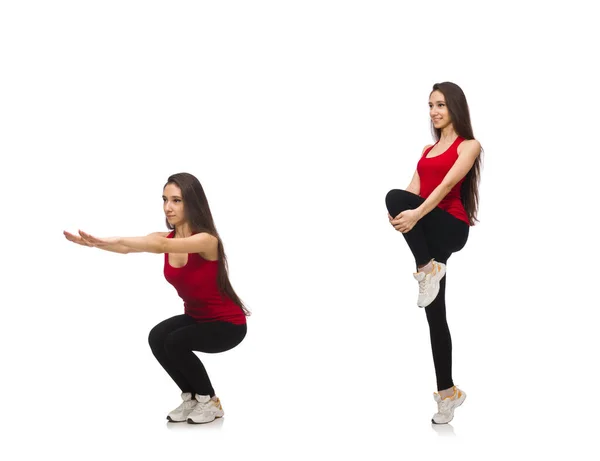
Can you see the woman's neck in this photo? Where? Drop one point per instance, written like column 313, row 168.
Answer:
column 448, row 135
column 183, row 231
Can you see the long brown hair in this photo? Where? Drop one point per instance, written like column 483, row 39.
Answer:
column 198, row 215
column 456, row 102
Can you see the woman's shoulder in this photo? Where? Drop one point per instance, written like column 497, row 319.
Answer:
column 210, row 244
column 468, row 145
column 206, row 236
column 426, row 148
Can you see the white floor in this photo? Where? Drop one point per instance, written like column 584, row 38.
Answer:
column 304, row 393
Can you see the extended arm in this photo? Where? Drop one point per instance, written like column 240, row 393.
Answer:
column 115, row 247
column 158, row 243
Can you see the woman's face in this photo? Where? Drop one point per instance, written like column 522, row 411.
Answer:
column 438, row 111
column 173, row 205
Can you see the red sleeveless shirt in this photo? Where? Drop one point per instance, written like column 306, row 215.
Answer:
column 196, row 284
column 431, row 174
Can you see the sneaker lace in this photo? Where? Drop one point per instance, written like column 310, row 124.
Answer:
column 201, row 406
column 422, row 285
column 443, row 406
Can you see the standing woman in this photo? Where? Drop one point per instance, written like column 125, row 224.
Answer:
column 214, row 318
column 434, row 214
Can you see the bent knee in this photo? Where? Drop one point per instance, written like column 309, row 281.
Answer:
column 156, row 337
column 398, row 200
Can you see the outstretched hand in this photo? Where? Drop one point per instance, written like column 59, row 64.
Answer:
column 76, row 239
column 405, row 220
column 89, row 240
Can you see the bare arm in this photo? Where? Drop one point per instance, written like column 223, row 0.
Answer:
column 157, row 242
column 147, row 244
column 415, row 184
column 469, row 150
column 115, row 248
column 85, row 240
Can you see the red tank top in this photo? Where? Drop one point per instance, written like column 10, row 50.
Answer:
column 196, row 284
column 432, row 172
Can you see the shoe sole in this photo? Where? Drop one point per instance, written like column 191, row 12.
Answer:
column 458, row 404
column 436, row 286
column 171, row 420
column 190, row 421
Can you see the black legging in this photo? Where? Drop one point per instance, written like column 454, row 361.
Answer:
column 173, row 340
column 436, row 236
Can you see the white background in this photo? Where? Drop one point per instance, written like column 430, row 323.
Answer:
column 297, row 117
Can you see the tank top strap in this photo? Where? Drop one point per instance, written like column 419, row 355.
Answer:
column 457, row 142
column 429, row 149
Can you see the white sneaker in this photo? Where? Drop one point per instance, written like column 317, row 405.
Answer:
column 429, row 283
column 180, row 414
column 446, row 406
column 206, row 410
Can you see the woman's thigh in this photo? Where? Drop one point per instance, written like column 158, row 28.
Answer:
column 444, row 231
column 445, row 234
column 210, row 337
column 159, row 333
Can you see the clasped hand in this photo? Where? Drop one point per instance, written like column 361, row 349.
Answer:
column 405, row 220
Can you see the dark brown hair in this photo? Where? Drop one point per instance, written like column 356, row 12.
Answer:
column 456, row 102
column 199, row 218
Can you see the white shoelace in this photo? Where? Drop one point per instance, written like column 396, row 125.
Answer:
column 201, row 406
column 444, row 405
column 422, row 285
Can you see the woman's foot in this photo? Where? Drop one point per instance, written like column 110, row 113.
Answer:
column 446, row 406
column 206, row 410
column 180, row 414
column 429, row 282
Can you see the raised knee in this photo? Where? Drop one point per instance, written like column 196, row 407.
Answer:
column 398, row 200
